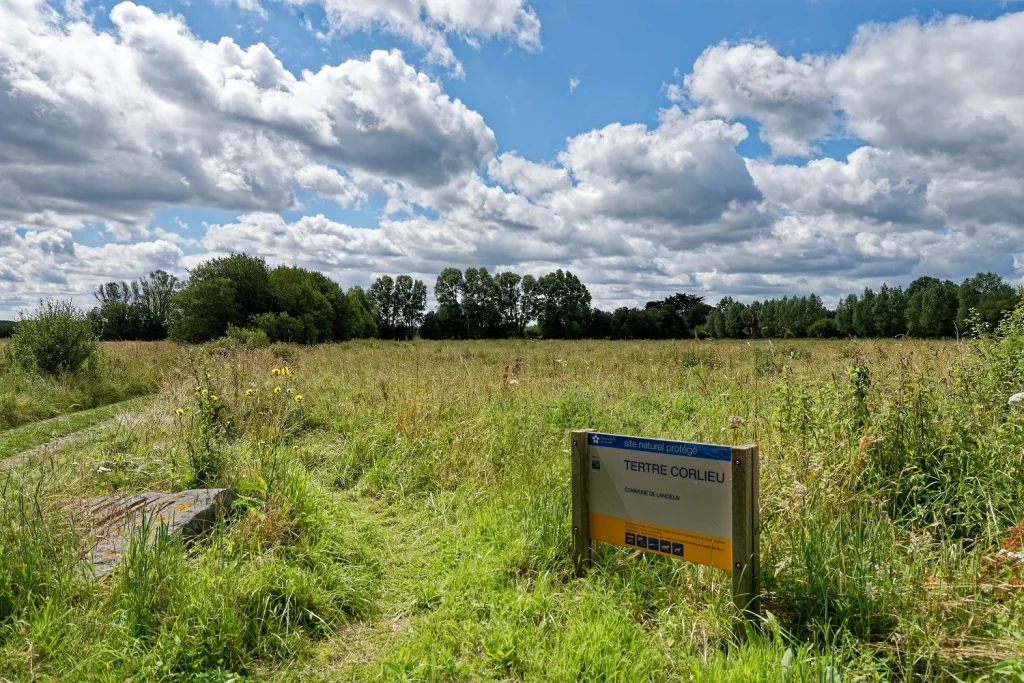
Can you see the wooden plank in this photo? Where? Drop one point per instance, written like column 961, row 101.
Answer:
column 743, row 462
column 580, row 501
column 755, row 514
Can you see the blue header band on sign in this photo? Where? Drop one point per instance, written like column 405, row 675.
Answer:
column 681, row 448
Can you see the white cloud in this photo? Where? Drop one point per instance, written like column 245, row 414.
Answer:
column 948, row 87
column 428, row 23
column 788, row 97
column 48, row 263
column 573, row 84
column 106, row 127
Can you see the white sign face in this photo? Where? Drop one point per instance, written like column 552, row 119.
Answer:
column 668, row 497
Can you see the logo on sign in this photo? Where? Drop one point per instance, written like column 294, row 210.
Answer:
column 595, row 463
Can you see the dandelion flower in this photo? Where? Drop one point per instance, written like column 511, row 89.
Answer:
column 297, row 398
column 204, row 391
column 1017, row 399
column 275, row 371
column 250, row 392
column 213, row 397
column 179, row 411
column 277, row 390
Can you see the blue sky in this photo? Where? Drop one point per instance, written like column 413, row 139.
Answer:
column 766, row 162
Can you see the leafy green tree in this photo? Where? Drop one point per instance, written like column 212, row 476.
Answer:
column 736, row 319
column 203, row 310
column 864, row 315
column 715, row 325
column 564, row 305
column 480, row 296
column 844, row 316
column 450, row 321
column 932, row 307
column 400, row 304
column 246, row 279
column 601, row 325
column 251, row 277
column 889, row 312
column 386, row 306
column 411, row 296
column 302, row 310
column 988, row 296
column 140, row 309
column 364, row 324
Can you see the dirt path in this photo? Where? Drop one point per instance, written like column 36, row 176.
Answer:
column 90, row 423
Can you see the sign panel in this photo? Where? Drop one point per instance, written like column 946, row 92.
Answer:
column 668, row 497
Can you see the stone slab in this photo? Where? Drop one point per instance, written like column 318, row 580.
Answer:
column 108, row 521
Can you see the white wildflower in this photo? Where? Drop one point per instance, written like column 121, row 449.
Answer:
column 102, row 470
column 513, row 381
column 1017, row 556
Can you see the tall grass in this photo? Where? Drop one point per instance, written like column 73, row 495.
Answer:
column 121, row 370
column 408, row 518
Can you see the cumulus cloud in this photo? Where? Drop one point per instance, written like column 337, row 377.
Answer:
column 789, row 97
column 102, row 127
column 428, row 23
column 106, row 127
column 48, row 263
column 950, row 87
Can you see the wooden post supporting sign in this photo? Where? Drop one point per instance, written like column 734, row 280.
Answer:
column 580, row 501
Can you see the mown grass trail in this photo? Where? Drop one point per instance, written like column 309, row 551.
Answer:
column 63, row 430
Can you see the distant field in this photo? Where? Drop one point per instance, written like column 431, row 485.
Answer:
column 402, row 513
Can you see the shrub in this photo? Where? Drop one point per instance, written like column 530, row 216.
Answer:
column 57, row 339
column 824, row 328
column 250, row 338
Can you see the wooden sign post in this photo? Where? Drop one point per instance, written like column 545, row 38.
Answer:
column 690, row 501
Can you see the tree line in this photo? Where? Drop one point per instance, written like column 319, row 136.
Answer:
column 292, row 304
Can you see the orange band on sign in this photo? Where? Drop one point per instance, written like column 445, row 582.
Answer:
column 683, row 545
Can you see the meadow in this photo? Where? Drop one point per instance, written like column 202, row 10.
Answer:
column 401, row 513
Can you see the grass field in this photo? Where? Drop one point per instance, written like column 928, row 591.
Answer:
column 402, row 513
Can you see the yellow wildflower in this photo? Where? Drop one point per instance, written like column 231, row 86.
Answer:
column 277, row 390
column 203, row 391
column 213, row 397
column 179, row 411
column 275, row 371
column 286, row 371
column 297, row 398
column 250, row 392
